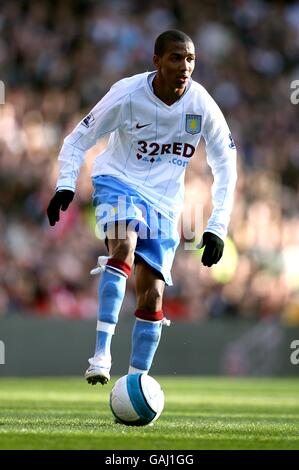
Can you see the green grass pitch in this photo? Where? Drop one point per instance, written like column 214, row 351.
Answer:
column 199, row 413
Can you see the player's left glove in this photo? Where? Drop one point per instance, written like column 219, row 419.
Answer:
column 213, row 249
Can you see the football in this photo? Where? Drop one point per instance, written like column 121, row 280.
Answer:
column 136, row 400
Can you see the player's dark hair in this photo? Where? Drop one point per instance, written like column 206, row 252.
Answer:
column 172, row 35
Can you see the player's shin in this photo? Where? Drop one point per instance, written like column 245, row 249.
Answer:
column 111, row 294
column 112, row 288
column 145, row 339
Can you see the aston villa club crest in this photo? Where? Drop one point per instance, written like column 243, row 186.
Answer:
column 193, row 123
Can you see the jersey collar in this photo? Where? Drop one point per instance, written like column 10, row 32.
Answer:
column 149, row 89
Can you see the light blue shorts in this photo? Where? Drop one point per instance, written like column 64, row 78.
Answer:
column 158, row 237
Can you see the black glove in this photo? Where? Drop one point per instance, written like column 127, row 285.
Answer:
column 213, row 249
column 61, row 200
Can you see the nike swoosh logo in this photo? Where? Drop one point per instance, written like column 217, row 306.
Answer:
column 138, row 126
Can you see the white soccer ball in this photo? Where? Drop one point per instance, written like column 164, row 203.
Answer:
column 136, row 400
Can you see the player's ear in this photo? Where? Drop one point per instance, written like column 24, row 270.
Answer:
column 156, row 61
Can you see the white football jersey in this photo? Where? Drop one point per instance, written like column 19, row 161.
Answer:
column 151, row 144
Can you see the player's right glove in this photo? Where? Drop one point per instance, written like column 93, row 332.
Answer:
column 61, row 200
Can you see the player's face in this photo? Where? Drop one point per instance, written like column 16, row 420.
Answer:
column 176, row 65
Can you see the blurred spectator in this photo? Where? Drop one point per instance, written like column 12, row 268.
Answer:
column 57, row 59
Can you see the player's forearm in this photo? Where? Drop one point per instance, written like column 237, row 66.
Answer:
column 70, row 161
column 225, row 177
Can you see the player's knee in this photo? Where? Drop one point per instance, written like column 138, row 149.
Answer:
column 151, row 299
column 124, row 251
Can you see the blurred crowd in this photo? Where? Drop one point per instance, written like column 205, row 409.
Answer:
column 57, row 59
